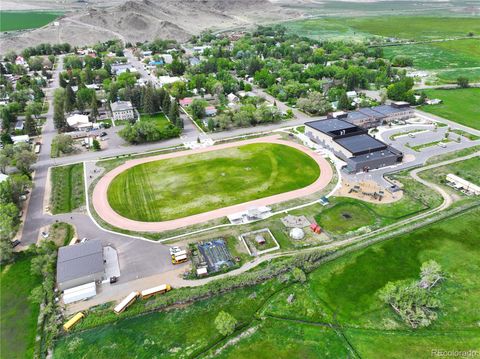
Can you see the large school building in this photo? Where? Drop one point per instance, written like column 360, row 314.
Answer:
column 352, row 144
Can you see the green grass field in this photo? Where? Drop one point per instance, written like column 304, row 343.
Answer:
column 346, row 216
column 468, row 169
column 23, row 20
column 68, row 192
column 403, row 27
column 440, row 55
column 334, row 314
column 459, row 105
column 159, row 119
column 18, row 320
column 183, row 186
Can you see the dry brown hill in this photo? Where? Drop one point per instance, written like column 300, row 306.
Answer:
column 140, row 20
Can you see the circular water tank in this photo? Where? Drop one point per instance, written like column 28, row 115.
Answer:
column 297, row 233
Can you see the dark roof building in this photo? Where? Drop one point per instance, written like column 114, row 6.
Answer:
column 361, row 144
column 79, row 264
column 352, row 144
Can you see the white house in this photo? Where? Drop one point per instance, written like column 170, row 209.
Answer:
column 79, row 121
column 165, row 80
column 122, row 110
column 232, row 98
column 20, row 139
column 167, row 58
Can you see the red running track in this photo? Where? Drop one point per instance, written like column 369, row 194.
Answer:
column 103, row 209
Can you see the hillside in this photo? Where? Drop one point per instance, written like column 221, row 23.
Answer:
column 139, row 20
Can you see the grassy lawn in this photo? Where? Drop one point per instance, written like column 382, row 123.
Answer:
column 68, row 192
column 346, row 216
column 159, row 119
column 19, row 316
column 460, row 105
column 61, row 233
column 336, row 312
column 22, row 20
column 451, row 76
column 439, row 55
column 183, row 186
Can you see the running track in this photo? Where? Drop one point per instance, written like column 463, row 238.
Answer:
column 103, row 209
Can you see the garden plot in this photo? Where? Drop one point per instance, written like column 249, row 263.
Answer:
column 259, row 242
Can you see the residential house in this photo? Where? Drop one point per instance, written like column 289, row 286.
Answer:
column 122, row 110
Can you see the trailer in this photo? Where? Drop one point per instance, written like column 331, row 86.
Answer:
column 81, row 292
column 161, row 289
column 37, row 148
column 74, row 320
column 126, row 302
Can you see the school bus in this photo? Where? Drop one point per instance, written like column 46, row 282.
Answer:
column 74, row 320
column 179, row 259
column 126, row 302
column 147, row 293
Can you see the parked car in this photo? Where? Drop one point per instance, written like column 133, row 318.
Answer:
column 15, row 243
column 113, row 279
column 174, row 250
column 45, row 234
column 103, row 134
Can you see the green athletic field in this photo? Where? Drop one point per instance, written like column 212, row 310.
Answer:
column 23, row 20
column 460, row 105
column 184, row 186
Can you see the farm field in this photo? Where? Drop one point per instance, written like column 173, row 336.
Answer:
column 440, row 55
column 19, row 315
column 183, row 186
column 402, row 27
column 23, row 20
column 460, row 105
column 334, row 313
column 68, row 192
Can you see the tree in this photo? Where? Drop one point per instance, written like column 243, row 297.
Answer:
column 34, row 108
column 225, row 323
column 299, row 275
column 430, row 274
column 315, row 104
column 63, row 143
column 94, row 107
column 96, row 145
column 6, row 252
column 149, row 100
column 197, row 108
column 69, row 99
column 4, row 162
column 30, row 125
column 174, row 114
column 344, row 102
column 211, row 124
column 463, row 82
column 24, row 160
column 59, row 109
column 166, row 103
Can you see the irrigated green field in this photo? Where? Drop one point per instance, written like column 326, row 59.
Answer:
column 18, row 321
column 440, row 55
column 335, row 314
column 22, row 20
column 460, row 105
column 402, row 27
column 183, row 186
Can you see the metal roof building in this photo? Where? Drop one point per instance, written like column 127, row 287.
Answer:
column 80, row 264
